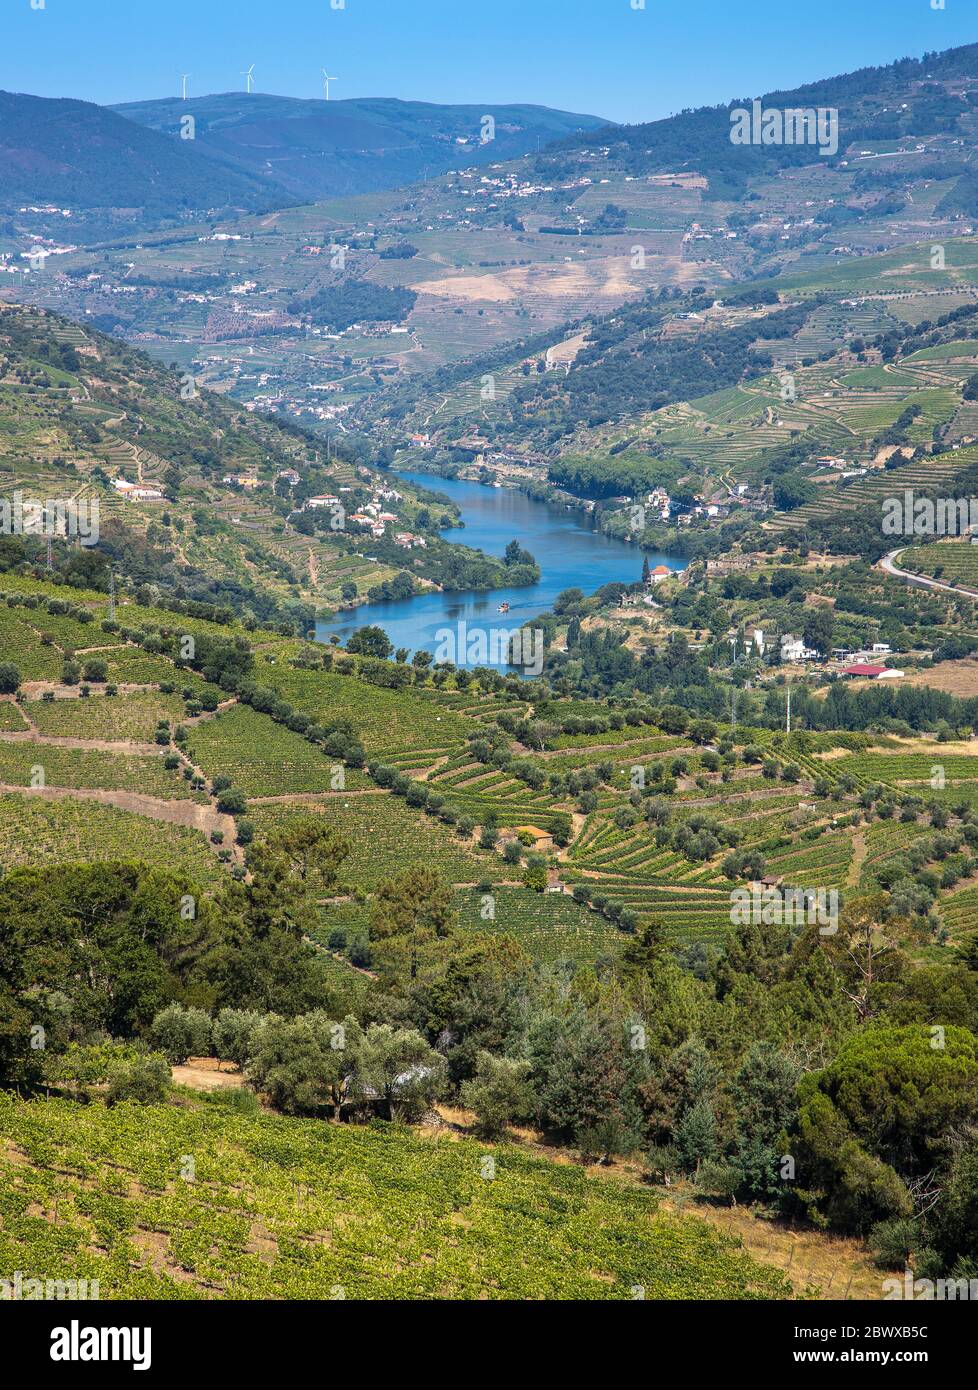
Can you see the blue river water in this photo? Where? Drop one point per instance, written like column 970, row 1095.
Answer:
column 569, row 549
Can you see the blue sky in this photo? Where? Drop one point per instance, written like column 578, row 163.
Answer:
column 596, row 56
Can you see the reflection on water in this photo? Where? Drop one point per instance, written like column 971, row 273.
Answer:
column 566, row 546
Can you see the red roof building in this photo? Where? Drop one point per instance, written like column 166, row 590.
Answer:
column 864, row 670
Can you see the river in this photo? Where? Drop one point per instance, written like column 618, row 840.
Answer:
column 566, row 544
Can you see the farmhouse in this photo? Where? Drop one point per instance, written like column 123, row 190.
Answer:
column 136, row 492
column 865, row 670
column 793, row 649
column 541, row 840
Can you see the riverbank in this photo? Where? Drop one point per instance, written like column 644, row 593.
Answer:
column 568, row 547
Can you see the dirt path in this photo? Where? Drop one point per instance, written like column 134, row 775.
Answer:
column 206, row 1074
column 192, row 814
column 622, row 748
column 858, row 859
column 310, row 798
column 93, row 745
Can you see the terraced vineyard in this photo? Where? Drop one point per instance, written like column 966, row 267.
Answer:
column 385, row 836
column 952, row 561
column 867, row 494
column 549, row 926
column 49, row 765
column 263, row 758
column 131, row 718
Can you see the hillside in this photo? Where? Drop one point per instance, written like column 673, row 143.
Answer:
column 318, row 149
column 381, row 1215
column 344, row 829
column 355, row 305
column 86, row 157
column 223, row 518
column 934, row 98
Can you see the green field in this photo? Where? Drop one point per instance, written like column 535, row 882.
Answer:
column 296, row 1209
column 386, row 836
column 35, row 831
column 263, row 758
column 122, row 718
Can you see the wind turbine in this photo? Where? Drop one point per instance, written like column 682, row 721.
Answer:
column 184, row 81
column 326, row 81
column 249, row 78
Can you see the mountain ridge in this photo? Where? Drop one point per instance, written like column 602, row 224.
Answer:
column 313, row 149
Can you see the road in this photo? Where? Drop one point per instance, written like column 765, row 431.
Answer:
column 888, row 563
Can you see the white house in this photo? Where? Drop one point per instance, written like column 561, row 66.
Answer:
column 136, row 492
column 793, row 649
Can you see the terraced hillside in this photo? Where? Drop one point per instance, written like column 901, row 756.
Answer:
column 569, row 848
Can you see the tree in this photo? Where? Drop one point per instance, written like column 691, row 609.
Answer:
column 880, row 1116
column 145, row 1080
column 583, row 1073
column 370, row 641
column 498, row 1093
column 953, row 1229
column 765, row 1102
column 514, row 554
column 396, row 1067
column 9, row 678
column 234, row 1032
column 232, row 802
column 181, row 1033
column 865, row 955
column 408, row 913
column 819, row 628
column 305, row 1065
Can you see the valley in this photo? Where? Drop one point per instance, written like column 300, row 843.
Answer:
column 489, row 696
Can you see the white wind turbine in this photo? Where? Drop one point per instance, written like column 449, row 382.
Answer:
column 183, row 79
column 249, row 78
column 326, row 81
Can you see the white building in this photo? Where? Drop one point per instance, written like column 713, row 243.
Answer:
column 136, row 492
column 793, row 649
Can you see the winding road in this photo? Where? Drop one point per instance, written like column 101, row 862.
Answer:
column 888, row 563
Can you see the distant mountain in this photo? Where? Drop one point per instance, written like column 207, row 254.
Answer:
column 77, row 154
column 933, row 99
column 319, row 149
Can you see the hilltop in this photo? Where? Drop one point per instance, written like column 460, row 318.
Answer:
column 319, row 149
column 85, row 157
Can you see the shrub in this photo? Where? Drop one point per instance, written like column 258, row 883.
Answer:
column 234, row 1034
column 145, row 1080
column 499, row 1093
column 9, row 678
